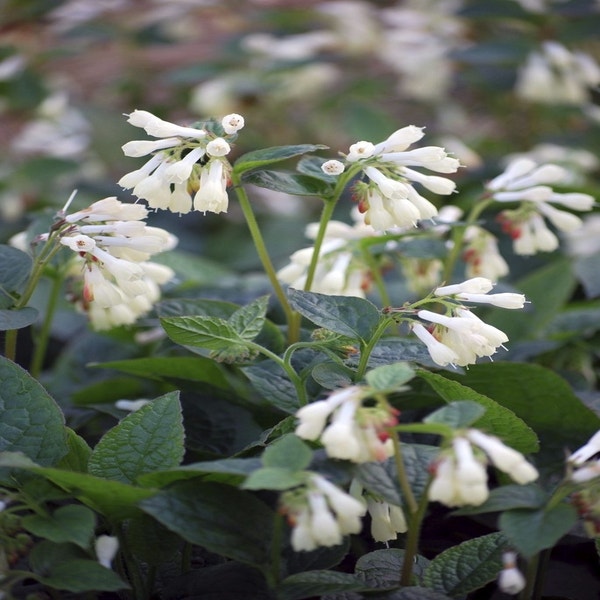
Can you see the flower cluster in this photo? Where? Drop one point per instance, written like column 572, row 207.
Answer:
column 460, row 337
column 387, row 520
column 389, row 199
column 460, row 474
column 321, row 514
column 527, row 182
column 188, row 168
column 355, row 432
column 555, row 75
column 340, row 271
column 113, row 246
column 481, row 255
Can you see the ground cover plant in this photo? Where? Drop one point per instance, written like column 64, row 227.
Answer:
column 316, row 317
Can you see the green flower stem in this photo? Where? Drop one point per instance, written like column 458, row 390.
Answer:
column 41, row 342
column 411, row 546
column 49, row 250
column 530, row 577
column 261, row 249
column 287, row 367
column 367, row 348
column 409, row 497
column 458, row 236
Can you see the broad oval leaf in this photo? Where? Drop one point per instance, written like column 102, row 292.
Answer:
column 72, row 523
column 146, row 440
column 295, row 184
column 389, row 378
column 353, row 317
column 30, row 420
column 17, row 319
column 15, row 266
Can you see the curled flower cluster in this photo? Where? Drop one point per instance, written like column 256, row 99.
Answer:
column 113, row 246
column 527, row 182
column 188, row 168
column 340, row 271
column 321, row 514
column 460, row 474
column 355, row 432
column 460, row 337
column 389, row 199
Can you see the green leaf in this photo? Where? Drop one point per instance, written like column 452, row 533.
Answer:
column 113, row 499
column 267, row 156
column 331, row 375
column 390, row 378
column 587, row 269
column 273, row 385
column 382, row 568
column 497, row 418
column 82, row 575
column 221, row 518
column 311, row 165
column 274, row 478
column 353, row 317
column 144, row 441
column 17, row 319
column 188, row 368
column 296, row 184
column 312, row 584
column 30, row 420
column 71, row 523
column 532, row 531
column 462, row 413
column 79, row 453
column 15, row 267
column 467, row 566
column 508, row 497
column 541, row 399
column 289, row 452
column 317, row 559
column 249, row 320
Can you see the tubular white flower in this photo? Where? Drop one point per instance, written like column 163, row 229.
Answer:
column 471, row 476
column 476, row 285
column 589, row 449
column 106, row 547
column 302, row 538
column 440, row 353
column 109, row 209
column 538, row 193
column 544, row 239
column 332, row 167
column 180, row 171
column 313, row 418
column 434, row 183
column 137, row 148
column 181, row 201
column 515, row 169
column 232, row 123
column 505, row 300
column 156, row 127
column 79, row 243
column 218, row 147
column 349, row 510
column 120, row 269
column 586, row 473
column 323, row 525
column 502, row 456
column 98, row 289
column 443, row 487
column 400, row 140
column 131, row 405
column 360, row 150
column 427, row 210
column 340, row 437
column 460, row 324
column 510, row 579
column 212, row 194
column 563, row 220
column 130, row 180
column 574, row 200
column 390, row 188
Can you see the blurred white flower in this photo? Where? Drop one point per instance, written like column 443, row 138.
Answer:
column 106, row 547
column 481, row 255
column 510, row 579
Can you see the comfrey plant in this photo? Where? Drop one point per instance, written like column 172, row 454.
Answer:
column 265, row 436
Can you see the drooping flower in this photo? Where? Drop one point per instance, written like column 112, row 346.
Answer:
column 321, row 514
column 348, row 429
column 528, row 183
column 106, row 547
column 389, row 199
column 460, row 474
column 481, row 255
column 188, row 168
column 114, row 281
column 510, row 579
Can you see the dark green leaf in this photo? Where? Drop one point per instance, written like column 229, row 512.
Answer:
column 221, row 518
column 462, row 413
column 273, row 385
column 532, row 531
column 267, row 156
column 497, row 418
column 79, row 453
column 587, row 269
column 213, row 333
column 296, row 184
column 17, row 319
column 508, row 497
column 81, row 575
column 30, row 420
column 332, row 376
column 347, row 315
column 249, row 320
column 382, row 568
column 71, row 523
column 146, row 440
column 15, row 267
column 188, row 368
column 316, row 583
column 317, row 559
column 467, row 566
column 311, row 165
